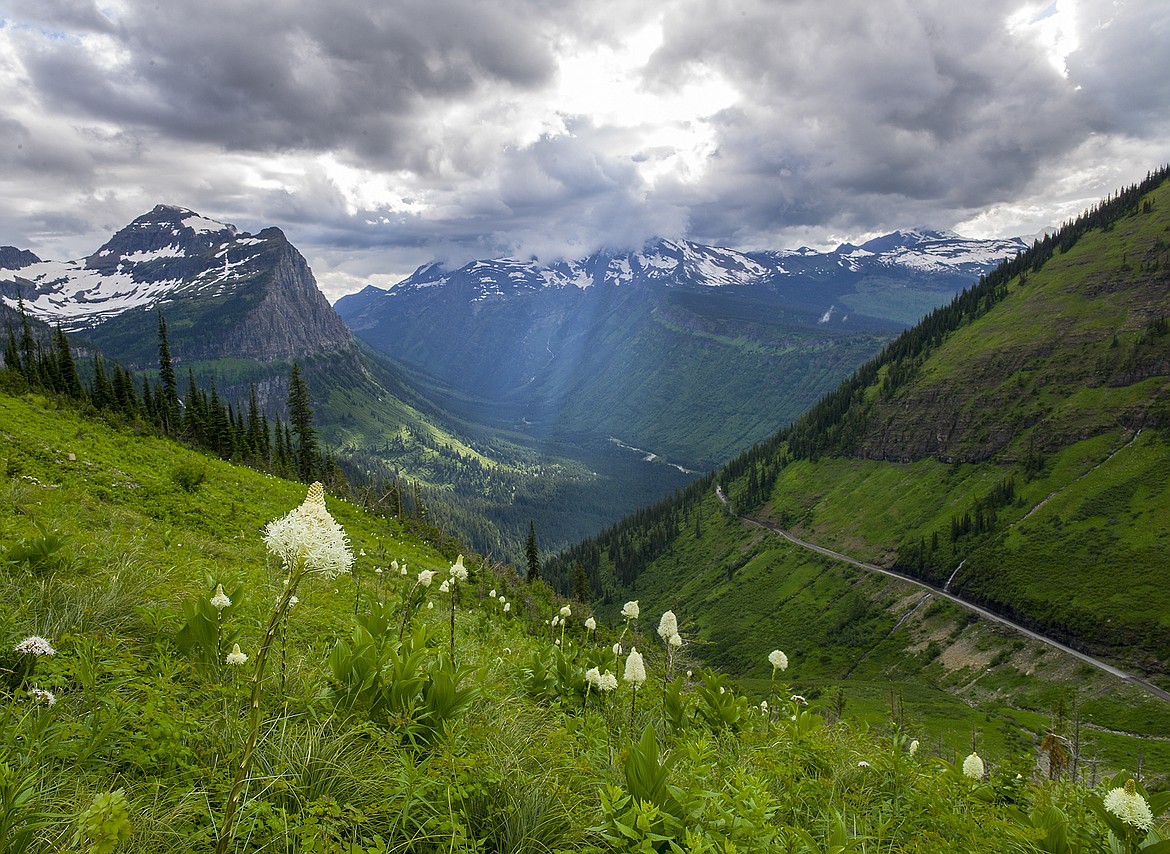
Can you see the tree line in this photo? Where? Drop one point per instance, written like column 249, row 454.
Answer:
column 200, row 417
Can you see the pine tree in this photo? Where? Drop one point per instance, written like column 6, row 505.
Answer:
column 300, row 417
column 532, row 553
column 125, row 395
column 66, row 367
column 168, row 406
column 11, row 351
column 102, row 395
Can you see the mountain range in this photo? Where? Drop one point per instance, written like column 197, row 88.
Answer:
column 616, row 376
column 693, row 352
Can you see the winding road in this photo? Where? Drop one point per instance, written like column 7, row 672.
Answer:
column 937, row 591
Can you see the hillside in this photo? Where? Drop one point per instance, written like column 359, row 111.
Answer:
column 1012, row 446
column 392, row 716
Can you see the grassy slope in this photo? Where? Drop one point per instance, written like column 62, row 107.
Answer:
column 1089, row 562
column 133, row 714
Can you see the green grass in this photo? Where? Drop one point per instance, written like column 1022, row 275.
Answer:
column 115, row 549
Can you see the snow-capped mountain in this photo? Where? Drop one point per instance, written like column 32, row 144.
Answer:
column 224, row 293
column 634, row 344
column 687, row 264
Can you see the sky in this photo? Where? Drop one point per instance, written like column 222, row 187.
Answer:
column 385, row 134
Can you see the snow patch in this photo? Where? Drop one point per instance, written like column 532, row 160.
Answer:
column 203, row 225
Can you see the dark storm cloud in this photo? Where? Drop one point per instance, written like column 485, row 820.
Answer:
column 394, row 133
column 307, row 76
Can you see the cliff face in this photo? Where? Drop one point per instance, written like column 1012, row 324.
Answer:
column 289, row 318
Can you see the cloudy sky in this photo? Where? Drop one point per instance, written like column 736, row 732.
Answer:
column 383, row 134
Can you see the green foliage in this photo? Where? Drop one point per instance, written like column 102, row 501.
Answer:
column 41, row 555
column 21, row 818
column 189, row 476
column 105, row 822
column 207, row 632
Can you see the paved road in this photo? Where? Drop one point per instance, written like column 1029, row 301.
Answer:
column 937, row 591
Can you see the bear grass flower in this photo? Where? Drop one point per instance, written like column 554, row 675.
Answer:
column 778, row 660
column 973, row 767
column 34, row 645
column 236, row 658
column 608, row 682
column 445, row 587
column 566, row 612
column 507, row 607
column 635, row 668
column 220, row 600
column 458, row 570
column 591, row 624
column 309, row 535
column 667, row 626
column 913, row 747
column 1129, row 806
column 593, row 677
column 676, row 640
column 630, row 610
column 425, row 577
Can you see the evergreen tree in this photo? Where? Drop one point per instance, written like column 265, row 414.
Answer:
column 581, row 584
column 300, row 418
column 11, row 351
column 168, row 406
column 102, row 395
column 125, row 395
column 532, row 553
column 66, row 367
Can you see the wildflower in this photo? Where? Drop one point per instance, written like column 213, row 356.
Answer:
column 913, row 747
column 502, row 599
column 445, row 587
column 566, row 612
column 425, row 577
column 689, row 674
column 402, row 569
column 591, row 624
column 309, row 534
column 667, row 626
column 862, row 764
column 34, row 645
column 430, row 606
column 220, row 600
column 1129, row 806
column 722, row 690
column 763, row 705
column 675, row 640
column 973, row 767
column 236, row 657
column 507, row 607
column 799, row 700
column 608, row 682
column 41, row 697
column 630, row 610
column 556, row 621
column 593, row 677
column 292, row 600
column 492, row 593
column 635, row 668
column 458, row 570
column 617, row 648
column 778, row 660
